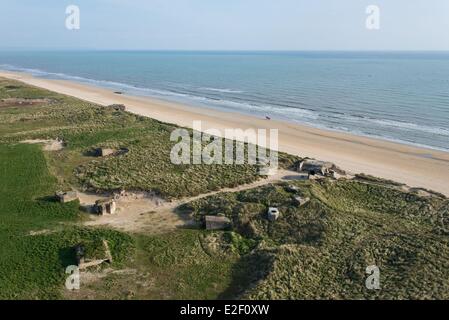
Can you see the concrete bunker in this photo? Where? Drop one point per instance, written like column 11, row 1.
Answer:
column 65, row 197
column 300, row 201
column 273, row 214
column 319, row 168
column 104, row 152
column 118, row 107
column 105, row 206
column 217, row 222
column 83, row 260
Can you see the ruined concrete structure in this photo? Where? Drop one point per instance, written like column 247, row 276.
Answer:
column 107, row 206
column 104, row 152
column 118, row 107
column 84, row 262
column 273, row 214
column 300, row 201
column 217, row 222
column 315, row 167
column 65, row 197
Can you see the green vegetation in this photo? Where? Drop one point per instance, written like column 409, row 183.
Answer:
column 186, row 264
column 321, row 250
column 84, row 127
column 169, row 266
column 36, row 233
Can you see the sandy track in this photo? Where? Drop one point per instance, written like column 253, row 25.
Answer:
column 49, row 145
column 142, row 212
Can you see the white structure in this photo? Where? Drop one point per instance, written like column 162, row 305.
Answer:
column 273, row 214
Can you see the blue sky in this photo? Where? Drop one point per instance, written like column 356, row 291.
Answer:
column 226, row 25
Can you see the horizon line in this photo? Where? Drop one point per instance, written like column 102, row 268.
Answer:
column 230, row 50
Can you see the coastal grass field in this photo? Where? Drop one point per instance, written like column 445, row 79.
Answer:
column 321, row 250
column 316, row 251
column 84, row 127
column 38, row 234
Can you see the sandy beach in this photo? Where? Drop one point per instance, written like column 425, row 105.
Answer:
column 417, row 167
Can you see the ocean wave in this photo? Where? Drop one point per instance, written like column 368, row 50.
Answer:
column 41, row 73
column 222, row 90
column 261, row 109
column 402, row 125
column 103, row 83
column 334, row 120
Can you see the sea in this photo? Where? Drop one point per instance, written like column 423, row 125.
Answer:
column 395, row 96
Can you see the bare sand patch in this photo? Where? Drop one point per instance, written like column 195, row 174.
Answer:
column 136, row 211
column 40, row 232
column 128, row 283
column 146, row 212
column 20, row 102
column 49, row 145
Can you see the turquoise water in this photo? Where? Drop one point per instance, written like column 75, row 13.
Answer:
column 395, row 96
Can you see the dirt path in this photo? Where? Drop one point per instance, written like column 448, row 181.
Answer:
column 49, row 145
column 144, row 212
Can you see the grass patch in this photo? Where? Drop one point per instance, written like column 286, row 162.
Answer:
column 84, row 126
column 168, row 266
column 32, row 266
column 321, row 250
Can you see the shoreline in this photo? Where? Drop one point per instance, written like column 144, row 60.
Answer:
column 412, row 165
